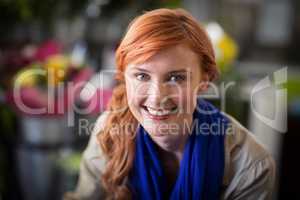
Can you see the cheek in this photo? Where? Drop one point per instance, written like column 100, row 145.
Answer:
column 129, row 92
column 187, row 99
column 135, row 93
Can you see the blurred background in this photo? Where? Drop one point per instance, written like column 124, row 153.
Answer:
column 60, row 54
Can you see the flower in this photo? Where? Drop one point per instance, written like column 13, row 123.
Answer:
column 226, row 49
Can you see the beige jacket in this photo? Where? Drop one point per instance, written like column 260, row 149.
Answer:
column 249, row 168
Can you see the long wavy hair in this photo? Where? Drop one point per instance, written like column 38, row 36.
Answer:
column 146, row 35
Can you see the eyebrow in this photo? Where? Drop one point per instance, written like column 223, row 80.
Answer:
column 170, row 72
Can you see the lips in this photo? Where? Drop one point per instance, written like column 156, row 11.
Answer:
column 159, row 114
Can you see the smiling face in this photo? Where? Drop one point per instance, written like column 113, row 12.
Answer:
column 162, row 92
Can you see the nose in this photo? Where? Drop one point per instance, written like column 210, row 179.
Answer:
column 157, row 94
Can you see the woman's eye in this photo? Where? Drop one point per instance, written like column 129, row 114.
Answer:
column 177, row 78
column 142, row 76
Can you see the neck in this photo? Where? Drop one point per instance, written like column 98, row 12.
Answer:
column 173, row 143
column 173, row 149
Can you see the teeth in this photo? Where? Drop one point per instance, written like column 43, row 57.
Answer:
column 159, row 112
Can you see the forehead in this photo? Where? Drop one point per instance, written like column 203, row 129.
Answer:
column 171, row 59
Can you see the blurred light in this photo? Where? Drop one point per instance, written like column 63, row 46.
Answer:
column 78, row 55
column 93, row 11
column 215, row 32
column 94, row 8
column 225, row 47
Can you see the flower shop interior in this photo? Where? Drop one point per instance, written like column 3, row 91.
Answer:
column 57, row 61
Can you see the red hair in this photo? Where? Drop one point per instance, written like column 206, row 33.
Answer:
column 146, row 35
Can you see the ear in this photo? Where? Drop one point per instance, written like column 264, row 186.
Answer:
column 204, row 84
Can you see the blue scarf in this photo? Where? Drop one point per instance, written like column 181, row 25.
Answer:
column 202, row 166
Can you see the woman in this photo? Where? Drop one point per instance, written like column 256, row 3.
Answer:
column 158, row 139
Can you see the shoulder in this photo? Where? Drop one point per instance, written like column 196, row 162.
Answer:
column 249, row 167
column 93, row 153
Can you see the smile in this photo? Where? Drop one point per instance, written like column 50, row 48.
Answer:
column 159, row 114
